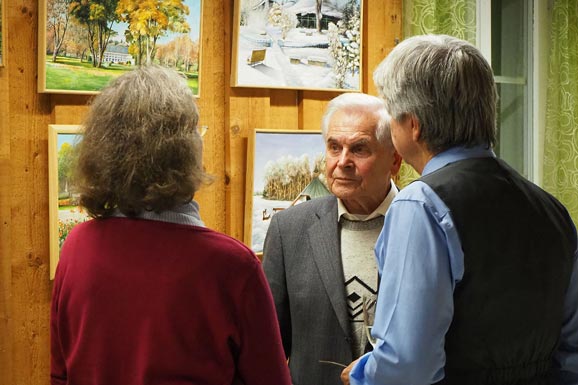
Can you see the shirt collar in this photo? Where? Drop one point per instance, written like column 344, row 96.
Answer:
column 187, row 214
column 454, row 154
column 380, row 210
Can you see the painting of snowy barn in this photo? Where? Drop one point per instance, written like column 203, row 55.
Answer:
column 285, row 169
column 298, row 44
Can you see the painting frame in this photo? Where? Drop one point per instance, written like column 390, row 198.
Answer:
column 299, row 57
column 69, row 75
column 2, row 33
column 55, row 132
column 270, row 148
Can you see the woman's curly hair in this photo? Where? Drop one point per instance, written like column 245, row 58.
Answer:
column 140, row 148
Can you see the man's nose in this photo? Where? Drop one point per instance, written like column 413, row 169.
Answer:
column 344, row 158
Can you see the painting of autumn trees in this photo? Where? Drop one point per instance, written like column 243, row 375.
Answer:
column 90, row 42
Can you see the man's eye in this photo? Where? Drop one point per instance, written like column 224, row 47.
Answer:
column 360, row 150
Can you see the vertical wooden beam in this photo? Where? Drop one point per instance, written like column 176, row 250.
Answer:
column 382, row 30
column 5, row 231
column 29, row 114
column 211, row 103
column 248, row 109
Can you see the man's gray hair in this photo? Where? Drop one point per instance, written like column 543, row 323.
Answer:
column 446, row 84
column 357, row 102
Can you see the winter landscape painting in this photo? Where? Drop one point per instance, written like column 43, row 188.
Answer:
column 64, row 211
column 85, row 44
column 285, row 168
column 298, row 44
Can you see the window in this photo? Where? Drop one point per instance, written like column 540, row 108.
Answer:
column 506, row 31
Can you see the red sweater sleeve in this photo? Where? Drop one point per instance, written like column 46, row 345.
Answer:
column 261, row 357
column 58, row 374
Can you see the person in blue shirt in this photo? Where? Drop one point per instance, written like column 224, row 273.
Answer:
column 478, row 266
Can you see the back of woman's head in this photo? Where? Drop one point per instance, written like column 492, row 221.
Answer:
column 140, row 149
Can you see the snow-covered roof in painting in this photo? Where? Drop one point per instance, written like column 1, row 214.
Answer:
column 329, row 8
column 315, row 189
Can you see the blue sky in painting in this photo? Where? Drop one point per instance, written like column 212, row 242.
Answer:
column 66, row 138
column 193, row 18
column 272, row 146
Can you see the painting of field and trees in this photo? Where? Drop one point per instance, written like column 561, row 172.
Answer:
column 298, row 44
column 287, row 168
column 64, row 211
column 87, row 43
column 69, row 213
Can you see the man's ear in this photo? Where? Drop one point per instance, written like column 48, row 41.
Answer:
column 415, row 127
column 396, row 163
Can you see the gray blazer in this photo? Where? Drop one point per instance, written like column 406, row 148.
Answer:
column 302, row 262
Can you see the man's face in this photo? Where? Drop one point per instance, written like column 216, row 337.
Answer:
column 358, row 167
column 405, row 138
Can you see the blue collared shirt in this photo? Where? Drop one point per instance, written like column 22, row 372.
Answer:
column 415, row 300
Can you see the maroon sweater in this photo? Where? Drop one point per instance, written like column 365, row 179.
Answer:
column 140, row 302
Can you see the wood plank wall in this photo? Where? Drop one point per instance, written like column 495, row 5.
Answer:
column 229, row 113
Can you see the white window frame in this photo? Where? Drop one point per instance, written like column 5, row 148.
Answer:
column 537, row 76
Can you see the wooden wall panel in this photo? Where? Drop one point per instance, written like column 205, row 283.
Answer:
column 311, row 108
column 382, row 31
column 69, row 109
column 229, row 113
column 282, row 106
column 212, row 109
column 249, row 109
column 5, row 279
column 24, row 183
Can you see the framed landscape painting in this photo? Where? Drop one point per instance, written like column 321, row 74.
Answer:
column 64, row 212
column 284, row 168
column 298, row 44
column 84, row 45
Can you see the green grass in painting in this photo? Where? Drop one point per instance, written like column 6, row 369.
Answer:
column 68, row 207
column 193, row 82
column 73, row 75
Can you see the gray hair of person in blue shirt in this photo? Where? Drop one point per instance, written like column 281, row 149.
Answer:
column 447, row 84
column 359, row 102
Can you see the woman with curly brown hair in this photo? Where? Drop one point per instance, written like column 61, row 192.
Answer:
column 144, row 293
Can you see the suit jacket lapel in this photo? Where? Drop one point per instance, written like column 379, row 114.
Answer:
column 324, row 236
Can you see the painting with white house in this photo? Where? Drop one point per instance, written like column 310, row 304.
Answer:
column 83, row 45
column 298, row 44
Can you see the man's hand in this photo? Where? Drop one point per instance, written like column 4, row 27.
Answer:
column 345, row 372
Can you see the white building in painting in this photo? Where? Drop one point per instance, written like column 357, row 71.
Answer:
column 117, row 54
column 305, row 11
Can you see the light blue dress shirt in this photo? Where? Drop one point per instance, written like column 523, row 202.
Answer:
column 415, row 299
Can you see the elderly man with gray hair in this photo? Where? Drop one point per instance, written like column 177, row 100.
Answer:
column 318, row 255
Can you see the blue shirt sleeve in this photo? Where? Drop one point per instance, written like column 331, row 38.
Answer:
column 415, row 300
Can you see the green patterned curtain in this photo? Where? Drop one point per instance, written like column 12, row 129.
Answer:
column 561, row 132
column 450, row 17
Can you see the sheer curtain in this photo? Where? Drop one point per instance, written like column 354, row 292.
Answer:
column 449, row 17
column 561, row 132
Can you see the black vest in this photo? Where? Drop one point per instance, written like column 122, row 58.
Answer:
column 518, row 245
